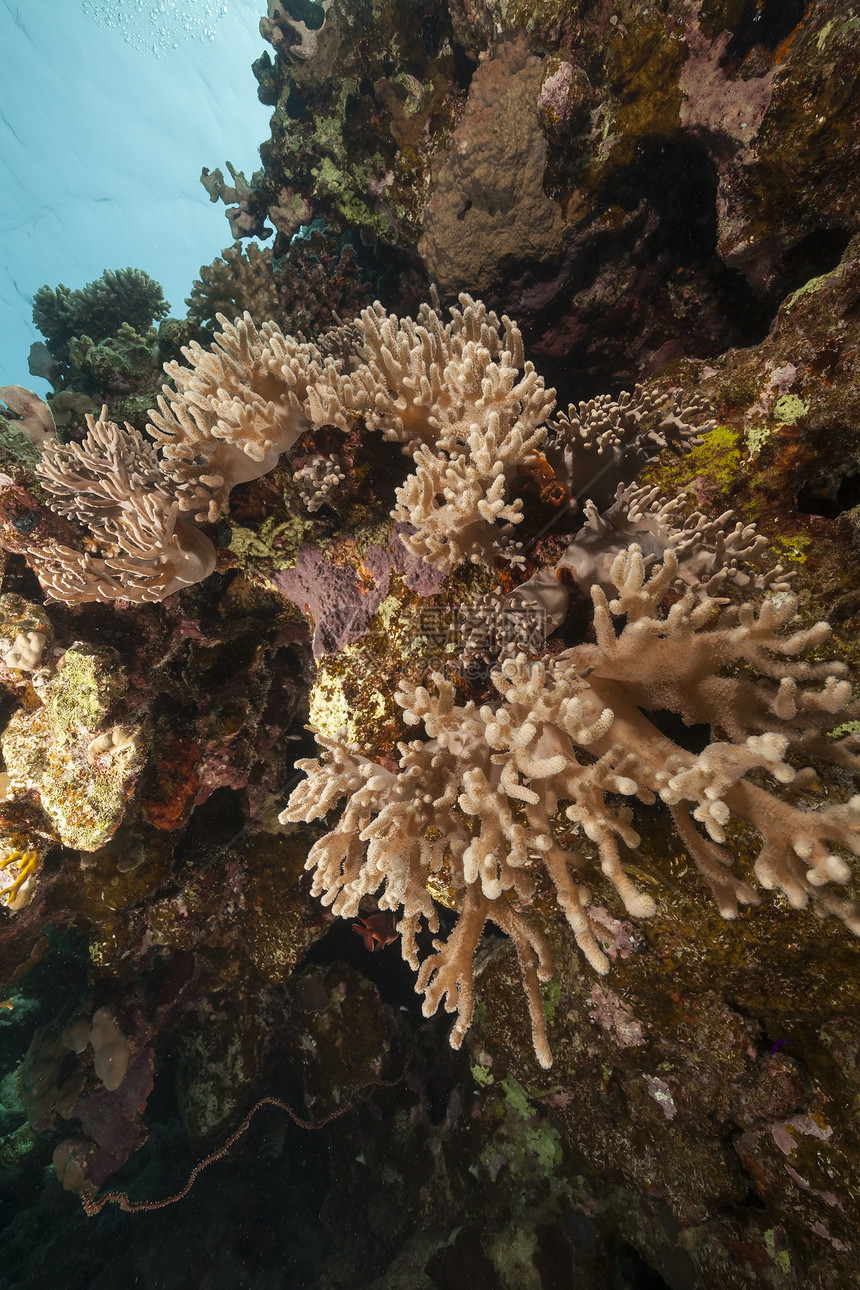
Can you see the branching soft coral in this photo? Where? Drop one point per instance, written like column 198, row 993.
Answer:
column 463, row 401
column 233, row 411
column 113, row 486
column 475, row 799
column 459, row 397
column 599, row 443
column 474, row 802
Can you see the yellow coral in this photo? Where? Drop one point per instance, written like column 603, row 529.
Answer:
column 26, row 863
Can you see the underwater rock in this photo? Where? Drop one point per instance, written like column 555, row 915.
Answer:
column 79, row 767
column 688, row 214
column 489, row 209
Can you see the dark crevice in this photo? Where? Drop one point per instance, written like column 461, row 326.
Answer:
column 830, row 495
column 649, row 280
column 463, row 1262
column 763, row 23
column 677, row 179
column 306, row 11
column 819, row 252
column 633, row 1273
column 694, row 739
column 213, row 826
column 393, row 978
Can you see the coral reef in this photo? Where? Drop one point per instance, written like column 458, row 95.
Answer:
column 668, row 159
column 103, row 347
column 125, row 298
column 105, row 1090
column 531, row 679
column 461, row 397
column 112, row 484
column 364, row 105
column 239, row 281
column 489, row 208
column 66, row 755
column 299, row 291
column 470, row 807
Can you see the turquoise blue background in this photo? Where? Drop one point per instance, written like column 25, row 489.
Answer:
column 108, row 111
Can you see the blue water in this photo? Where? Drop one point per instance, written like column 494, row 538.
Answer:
column 108, row 111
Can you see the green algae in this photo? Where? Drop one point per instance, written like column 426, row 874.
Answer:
column 789, row 409
column 516, row 1097
column 844, row 27
column 718, row 458
column 779, row 1257
column 523, row 1140
column 757, row 436
column 810, row 287
column 275, row 543
column 846, row 728
column 551, row 996
column 88, row 684
column 482, row 1076
column 57, row 751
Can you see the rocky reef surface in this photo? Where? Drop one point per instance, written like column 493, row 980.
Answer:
column 338, row 658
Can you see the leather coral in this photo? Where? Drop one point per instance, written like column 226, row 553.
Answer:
column 112, row 484
column 472, row 804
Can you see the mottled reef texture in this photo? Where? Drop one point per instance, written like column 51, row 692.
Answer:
column 662, row 192
column 632, row 182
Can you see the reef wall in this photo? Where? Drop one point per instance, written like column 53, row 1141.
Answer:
column 509, row 622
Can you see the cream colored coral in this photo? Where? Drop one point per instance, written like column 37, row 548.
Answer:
column 459, row 395
column 677, row 659
column 113, row 743
column 461, row 398
column 476, row 798
column 459, row 504
column 604, row 440
column 289, row 34
column 240, row 279
column 710, row 554
column 234, row 410
column 424, row 381
column 318, row 480
column 26, row 652
column 112, row 484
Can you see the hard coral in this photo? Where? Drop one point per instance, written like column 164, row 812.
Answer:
column 299, row 291
column 237, row 281
column 98, row 310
